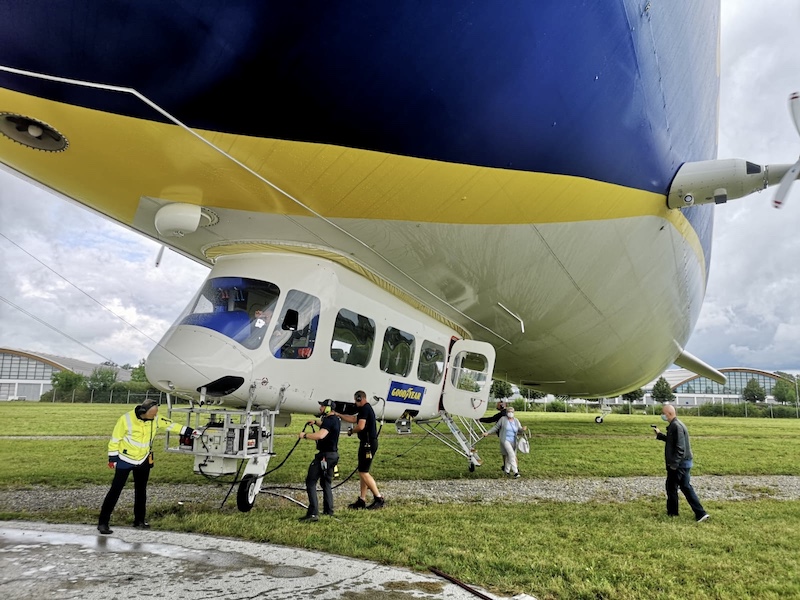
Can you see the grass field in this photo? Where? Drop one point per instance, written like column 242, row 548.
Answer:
column 546, row 549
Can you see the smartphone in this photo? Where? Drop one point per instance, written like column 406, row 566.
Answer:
column 654, row 427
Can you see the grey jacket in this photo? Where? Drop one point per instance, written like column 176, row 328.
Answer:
column 502, row 425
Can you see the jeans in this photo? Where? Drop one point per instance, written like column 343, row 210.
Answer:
column 316, row 473
column 681, row 478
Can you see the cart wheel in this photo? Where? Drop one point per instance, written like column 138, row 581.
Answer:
column 598, row 419
column 246, row 496
column 471, row 467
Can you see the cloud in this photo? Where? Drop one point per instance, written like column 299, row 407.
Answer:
column 69, row 276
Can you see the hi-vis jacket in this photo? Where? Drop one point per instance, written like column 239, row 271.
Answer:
column 132, row 438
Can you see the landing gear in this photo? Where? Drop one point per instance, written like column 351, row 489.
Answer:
column 604, row 410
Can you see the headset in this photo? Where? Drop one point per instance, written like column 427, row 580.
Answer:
column 141, row 409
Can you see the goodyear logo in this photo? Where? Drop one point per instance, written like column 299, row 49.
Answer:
column 406, row 393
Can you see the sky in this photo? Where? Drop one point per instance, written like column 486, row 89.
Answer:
column 75, row 284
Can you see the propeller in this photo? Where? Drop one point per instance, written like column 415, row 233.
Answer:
column 792, row 173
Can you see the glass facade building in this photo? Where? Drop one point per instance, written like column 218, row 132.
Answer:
column 24, row 376
column 737, row 381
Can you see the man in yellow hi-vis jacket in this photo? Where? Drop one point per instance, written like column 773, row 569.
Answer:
column 130, row 450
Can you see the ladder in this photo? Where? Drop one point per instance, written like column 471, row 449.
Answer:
column 463, row 442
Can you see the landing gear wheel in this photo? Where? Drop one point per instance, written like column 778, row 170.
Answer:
column 598, row 419
column 246, row 496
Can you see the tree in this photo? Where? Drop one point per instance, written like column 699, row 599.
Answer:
column 137, row 373
column 783, row 391
column 101, row 379
column 662, row 392
column 753, row 392
column 633, row 396
column 501, row 389
column 66, row 381
column 532, row 393
column 466, row 381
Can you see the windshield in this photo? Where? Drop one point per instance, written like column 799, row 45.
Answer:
column 237, row 307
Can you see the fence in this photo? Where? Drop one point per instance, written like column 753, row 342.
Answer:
column 707, row 406
column 106, row 396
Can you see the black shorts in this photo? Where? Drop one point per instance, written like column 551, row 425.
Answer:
column 366, row 452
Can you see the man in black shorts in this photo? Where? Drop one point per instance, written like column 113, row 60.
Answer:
column 367, row 430
column 321, row 468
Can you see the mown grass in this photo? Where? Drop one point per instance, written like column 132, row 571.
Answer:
column 546, row 549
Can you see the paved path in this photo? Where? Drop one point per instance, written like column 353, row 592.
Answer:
column 41, row 561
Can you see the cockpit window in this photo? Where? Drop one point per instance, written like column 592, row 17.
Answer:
column 237, row 307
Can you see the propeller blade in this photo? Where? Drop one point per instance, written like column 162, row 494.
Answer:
column 785, row 184
column 794, row 108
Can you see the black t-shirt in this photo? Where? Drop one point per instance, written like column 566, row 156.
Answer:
column 370, row 431
column 494, row 418
column 330, row 443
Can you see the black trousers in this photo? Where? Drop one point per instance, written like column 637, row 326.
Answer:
column 141, row 474
column 324, row 476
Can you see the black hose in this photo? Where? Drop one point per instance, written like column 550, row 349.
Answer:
column 460, row 583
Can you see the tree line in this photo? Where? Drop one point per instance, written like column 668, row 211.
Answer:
column 100, row 386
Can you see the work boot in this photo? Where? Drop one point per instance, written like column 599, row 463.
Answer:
column 376, row 503
column 358, row 504
column 312, row 518
column 104, row 529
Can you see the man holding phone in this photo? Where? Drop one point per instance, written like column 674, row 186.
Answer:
column 679, row 460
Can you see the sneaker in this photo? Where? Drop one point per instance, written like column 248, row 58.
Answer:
column 327, row 513
column 705, row 517
column 516, row 475
column 358, row 504
column 142, row 525
column 312, row 518
column 377, row 503
column 104, row 529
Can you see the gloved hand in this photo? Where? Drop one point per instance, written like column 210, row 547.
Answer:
column 112, row 465
column 196, row 433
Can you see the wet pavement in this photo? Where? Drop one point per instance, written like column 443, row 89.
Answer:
column 61, row 561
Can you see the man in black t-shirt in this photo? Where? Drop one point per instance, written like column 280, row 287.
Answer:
column 367, row 430
column 501, row 412
column 326, row 458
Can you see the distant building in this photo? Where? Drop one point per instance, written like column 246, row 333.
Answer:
column 692, row 389
column 27, row 375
